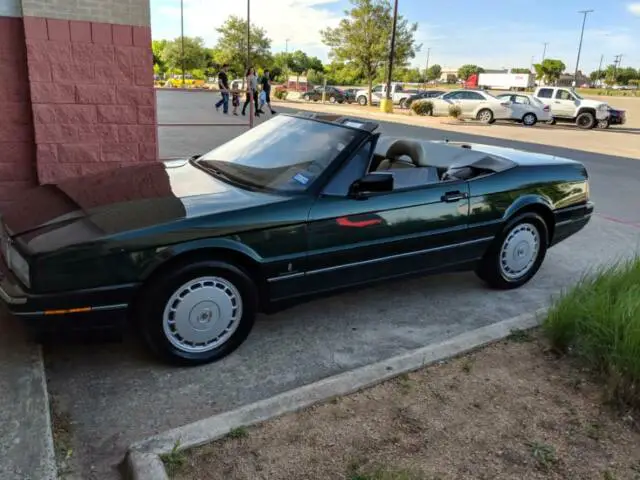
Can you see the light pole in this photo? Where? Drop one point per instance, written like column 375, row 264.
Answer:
column 598, row 79
column 182, row 36
column 544, row 51
column 388, row 105
column 426, row 70
column 584, row 20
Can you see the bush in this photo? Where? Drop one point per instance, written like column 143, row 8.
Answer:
column 598, row 321
column 422, row 107
column 454, row 111
column 281, row 94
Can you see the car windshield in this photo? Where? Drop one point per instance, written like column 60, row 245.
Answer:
column 578, row 96
column 284, row 154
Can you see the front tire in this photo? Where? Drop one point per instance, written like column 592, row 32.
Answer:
column 586, row 121
column 197, row 313
column 403, row 104
column 485, row 116
column 362, row 100
column 332, row 99
column 602, row 124
column 516, row 254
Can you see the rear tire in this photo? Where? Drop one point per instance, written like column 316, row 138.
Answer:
column 586, row 120
column 485, row 116
column 403, row 103
column 332, row 99
column 362, row 100
column 516, row 254
column 197, row 313
column 529, row 119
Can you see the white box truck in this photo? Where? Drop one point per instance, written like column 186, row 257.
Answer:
column 506, row 81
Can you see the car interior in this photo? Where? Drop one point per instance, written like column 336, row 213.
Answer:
column 414, row 164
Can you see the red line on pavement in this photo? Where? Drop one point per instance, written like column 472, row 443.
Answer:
column 618, row 220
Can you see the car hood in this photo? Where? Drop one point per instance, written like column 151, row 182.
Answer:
column 88, row 208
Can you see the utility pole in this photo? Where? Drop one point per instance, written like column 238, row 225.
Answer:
column 584, row 20
column 393, row 47
column 182, row 36
column 544, row 51
column 426, row 70
column 616, row 66
column 598, row 79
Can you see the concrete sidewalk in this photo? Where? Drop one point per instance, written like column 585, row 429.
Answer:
column 26, row 443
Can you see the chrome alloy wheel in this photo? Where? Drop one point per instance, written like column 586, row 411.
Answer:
column 519, row 251
column 202, row 314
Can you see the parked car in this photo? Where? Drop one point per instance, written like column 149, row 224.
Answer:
column 616, row 117
column 331, row 94
column 527, row 109
column 187, row 252
column 474, row 104
column 399, row 95
column 567, row 105
column 421, row 96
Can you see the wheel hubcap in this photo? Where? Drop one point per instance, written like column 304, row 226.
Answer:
column 519, row 251
column 202, row 314
column 528, row 119
column 485, row 116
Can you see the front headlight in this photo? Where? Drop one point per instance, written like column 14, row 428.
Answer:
column 603, row 107
column 19, row 266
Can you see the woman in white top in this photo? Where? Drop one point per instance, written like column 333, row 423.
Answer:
column 252, row 89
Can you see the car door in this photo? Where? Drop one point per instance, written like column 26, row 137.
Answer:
column 410, row 229
column 376, row 93
column 564, row 103
column 441, row 105
column 470, row 102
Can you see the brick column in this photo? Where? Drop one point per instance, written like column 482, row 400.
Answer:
column 90, row 72
column 17, row 151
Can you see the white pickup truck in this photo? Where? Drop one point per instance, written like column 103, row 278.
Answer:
column 398, row 95
column 567, row 105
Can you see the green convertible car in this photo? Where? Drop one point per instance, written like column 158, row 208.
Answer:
column 188, row 252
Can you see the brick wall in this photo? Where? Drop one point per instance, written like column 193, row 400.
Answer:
column 17, row 151
column 127, row 12
column 92, row 95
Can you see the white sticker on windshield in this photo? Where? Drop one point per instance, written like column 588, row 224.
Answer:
column 353, row 124
column 298, row 177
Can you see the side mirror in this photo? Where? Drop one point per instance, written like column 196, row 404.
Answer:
column 373, row 182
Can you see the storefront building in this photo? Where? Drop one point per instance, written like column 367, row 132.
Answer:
column 76, row 90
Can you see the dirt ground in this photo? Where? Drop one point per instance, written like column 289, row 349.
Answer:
column 510, row 411
column 621, row 141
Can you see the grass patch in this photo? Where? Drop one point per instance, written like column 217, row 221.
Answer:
column 174, row 460
column 240, row 432
column 598, row 322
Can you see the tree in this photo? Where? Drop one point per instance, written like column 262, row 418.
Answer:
column 194, row 53
column 549, row 70
column 434, row 72
column 158, row 46
column 231, row 47
column 465, row 71
column 521, row 70
column 363, row 38
column 597, row 75
column 340, row 73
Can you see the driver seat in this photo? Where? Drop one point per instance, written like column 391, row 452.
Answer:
column 403, row 148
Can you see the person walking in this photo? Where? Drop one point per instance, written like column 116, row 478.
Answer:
column 265, row 82
column 252, row 89
column 223, row 85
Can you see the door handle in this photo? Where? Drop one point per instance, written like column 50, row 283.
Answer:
column 453, row 196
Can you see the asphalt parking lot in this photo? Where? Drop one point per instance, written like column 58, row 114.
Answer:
column 115, row 394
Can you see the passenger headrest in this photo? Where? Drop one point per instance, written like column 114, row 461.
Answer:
column 410, row 148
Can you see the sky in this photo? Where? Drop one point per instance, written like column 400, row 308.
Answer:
column 489, row 33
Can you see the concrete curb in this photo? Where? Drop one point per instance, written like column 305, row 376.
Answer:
column 143, row 458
